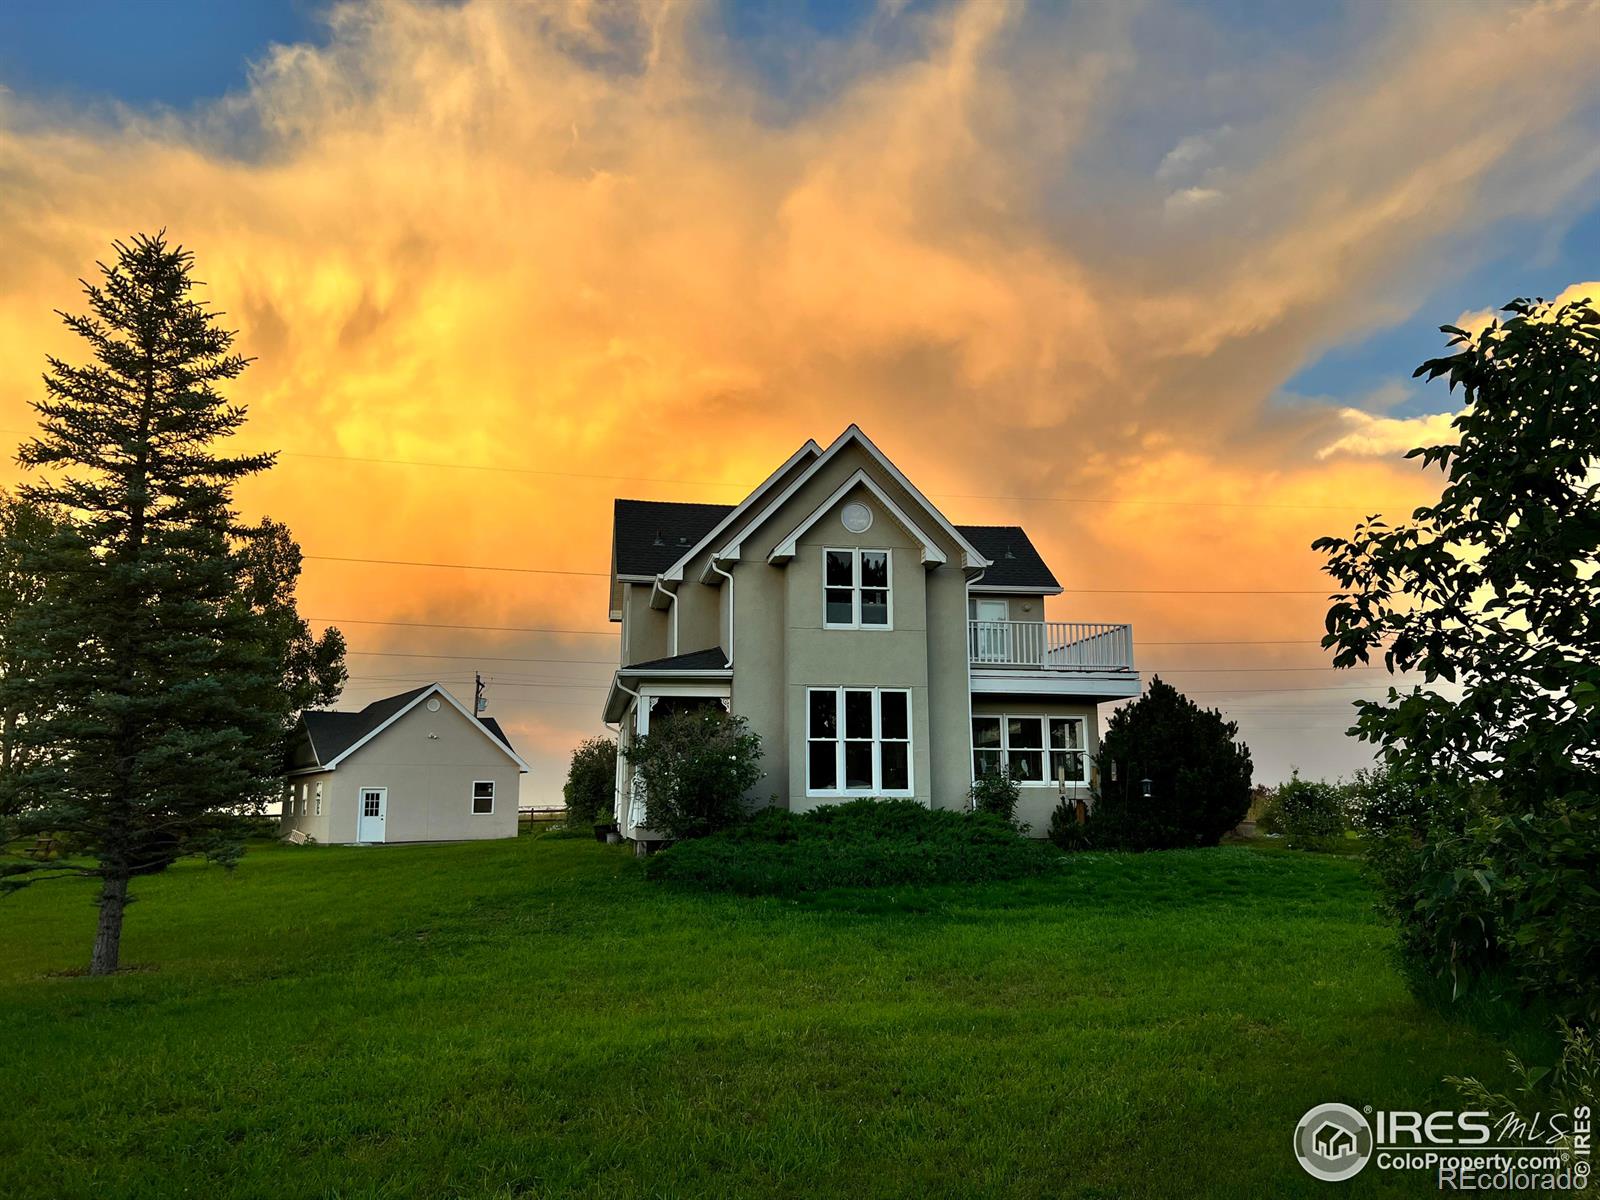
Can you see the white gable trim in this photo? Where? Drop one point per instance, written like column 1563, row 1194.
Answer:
column 785, row 549
column 734, row 548
column 433, row 689
column 675, row 571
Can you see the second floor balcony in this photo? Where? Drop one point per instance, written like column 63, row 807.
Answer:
column 1051, row 645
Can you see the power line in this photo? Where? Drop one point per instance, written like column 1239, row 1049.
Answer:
column 724, row 483
column 399, row 562
column 610, row 633
column 403, row 562
column 597, row 662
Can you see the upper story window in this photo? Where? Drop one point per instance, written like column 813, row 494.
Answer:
column 856, row 589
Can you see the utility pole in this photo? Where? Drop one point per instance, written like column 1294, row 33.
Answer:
column 478, row 702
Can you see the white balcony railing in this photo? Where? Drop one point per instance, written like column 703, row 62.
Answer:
column 1051, row 645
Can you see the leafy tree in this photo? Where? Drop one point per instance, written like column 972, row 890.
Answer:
column 1310, row 812
column 1492, row 842
column 312, row 669
column 25, row 530
column 1199, row 774
column 695, row 766
column 159, row 694
column 590, row 790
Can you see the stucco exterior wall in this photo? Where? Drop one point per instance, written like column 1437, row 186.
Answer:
column 645, row 630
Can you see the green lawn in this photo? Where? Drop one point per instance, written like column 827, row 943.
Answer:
column 533, row 1018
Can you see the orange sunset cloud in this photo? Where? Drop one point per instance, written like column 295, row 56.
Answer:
column 500, row 263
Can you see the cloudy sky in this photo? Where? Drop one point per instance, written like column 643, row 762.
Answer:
column 1149, row 279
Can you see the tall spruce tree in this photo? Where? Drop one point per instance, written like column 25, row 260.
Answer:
column 160, row 696
column 25, row 531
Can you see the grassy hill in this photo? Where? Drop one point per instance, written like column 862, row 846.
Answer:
column 534, row 1018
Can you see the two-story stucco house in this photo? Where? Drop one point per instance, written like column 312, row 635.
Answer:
column 877, row 648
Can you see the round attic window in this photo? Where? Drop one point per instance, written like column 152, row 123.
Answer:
column 433, row 705
column 855, row 517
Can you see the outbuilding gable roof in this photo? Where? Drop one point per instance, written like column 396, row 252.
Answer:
column 334, row 735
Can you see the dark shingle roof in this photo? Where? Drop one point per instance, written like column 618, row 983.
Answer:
column 696, row 660
column 332, row 733
column 493, row 727
column 651, row 535
column 1016, row 562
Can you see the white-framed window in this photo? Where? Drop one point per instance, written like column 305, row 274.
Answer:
column 1031, row 749
column 482, row 797
column 858, row 742
column 318, row 792
column 301, row 804
column 857, row 589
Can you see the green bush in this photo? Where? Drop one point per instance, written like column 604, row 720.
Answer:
column 1309, row 812
column 695, row 767
column 996, row 793
column 1066, row 831
column 861, row 843
column 591, row 784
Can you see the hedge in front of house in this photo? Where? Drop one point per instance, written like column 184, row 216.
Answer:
column 861, row 843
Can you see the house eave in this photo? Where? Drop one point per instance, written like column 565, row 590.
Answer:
column 1065, row 685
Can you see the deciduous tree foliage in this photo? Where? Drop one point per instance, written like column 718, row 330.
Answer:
column 591, row 784
column 1494, row 590
column 1199, row 774
column 164, row 689
column 695, row 767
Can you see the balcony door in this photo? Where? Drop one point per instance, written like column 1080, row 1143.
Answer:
column 993, row 632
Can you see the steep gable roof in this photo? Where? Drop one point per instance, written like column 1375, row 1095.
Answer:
column 651, row 535
column 335, row 735
column 852, row 436
column 1013, row 560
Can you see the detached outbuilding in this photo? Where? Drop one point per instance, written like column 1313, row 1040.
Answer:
column 417, row 767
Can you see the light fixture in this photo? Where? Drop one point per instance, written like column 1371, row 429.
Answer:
column 1147, row 789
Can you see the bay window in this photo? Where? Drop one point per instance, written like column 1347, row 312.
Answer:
column 858, row 742
column 1031, row 749
column 855, row 589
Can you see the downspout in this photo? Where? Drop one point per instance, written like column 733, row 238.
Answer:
column 672, row 605
column 966, row 619
column 728, row 575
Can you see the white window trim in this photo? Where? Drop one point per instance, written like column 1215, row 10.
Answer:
column 856, row 588
column 840, row 792
column 318, row 794
column 472, row 798
column 1005, row 720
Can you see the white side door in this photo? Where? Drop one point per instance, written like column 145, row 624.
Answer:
column 373, row 805
column 994, row 631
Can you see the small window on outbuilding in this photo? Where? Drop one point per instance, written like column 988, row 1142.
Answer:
column 482, row 797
